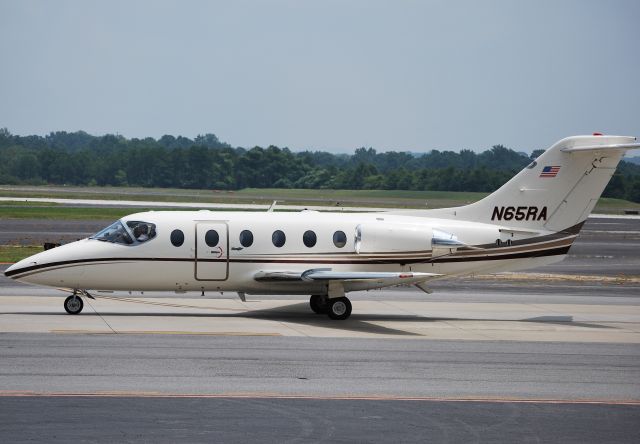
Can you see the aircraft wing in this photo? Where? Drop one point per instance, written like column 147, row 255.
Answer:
column 326, row 274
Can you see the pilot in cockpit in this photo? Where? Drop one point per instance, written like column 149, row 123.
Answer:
column 141, row 232
column 118, row 234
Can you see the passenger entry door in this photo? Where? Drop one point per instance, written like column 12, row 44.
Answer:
column 212, row 252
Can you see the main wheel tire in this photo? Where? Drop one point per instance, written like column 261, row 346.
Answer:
column 339, row 308
column 73, row 304
column 318, row 304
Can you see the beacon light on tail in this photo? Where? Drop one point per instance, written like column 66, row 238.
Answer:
column 532, row 220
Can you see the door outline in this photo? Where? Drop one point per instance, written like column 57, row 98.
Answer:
column 226, row 250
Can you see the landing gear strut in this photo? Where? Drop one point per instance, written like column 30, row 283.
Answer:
column 73, row 304
column 339, row 309
column 319, row 303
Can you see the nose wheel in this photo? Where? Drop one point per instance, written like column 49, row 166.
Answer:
column 73, row 304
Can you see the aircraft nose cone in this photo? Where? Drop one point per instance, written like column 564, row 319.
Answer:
column 19, row 267
column 11, row 271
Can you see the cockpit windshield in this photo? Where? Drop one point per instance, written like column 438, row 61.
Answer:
column 115, row 233
column 118, row 233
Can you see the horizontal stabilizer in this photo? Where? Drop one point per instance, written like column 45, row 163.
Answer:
column 615, row 146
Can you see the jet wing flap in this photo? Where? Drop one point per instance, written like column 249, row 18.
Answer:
column 328, row 275
column 278, row 276
column 321, row 274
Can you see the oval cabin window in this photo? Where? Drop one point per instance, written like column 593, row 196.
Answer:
column 278, row 238
column 339, row 239
column 211, row 238
column 177, row 238
column 246, row 238
column 309, row 238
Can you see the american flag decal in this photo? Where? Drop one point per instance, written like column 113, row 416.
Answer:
column 550, row 171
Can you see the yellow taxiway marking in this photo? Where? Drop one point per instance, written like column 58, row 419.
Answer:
column 165, row 332
column 545, row 277
column 133, row 394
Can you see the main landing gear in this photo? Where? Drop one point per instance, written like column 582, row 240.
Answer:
column 319, row 303
column 336, row 308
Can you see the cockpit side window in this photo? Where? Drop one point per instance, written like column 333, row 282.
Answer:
column 142, row 231
column 133, row 232
column 115, row 233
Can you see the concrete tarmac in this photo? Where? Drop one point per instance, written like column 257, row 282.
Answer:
column 384, row 317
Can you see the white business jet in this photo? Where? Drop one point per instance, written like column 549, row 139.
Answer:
column 530, row 221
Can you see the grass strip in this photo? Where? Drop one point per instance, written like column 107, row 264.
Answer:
column 15, row 253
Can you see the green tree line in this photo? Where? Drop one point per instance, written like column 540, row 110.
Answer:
column 205, row 162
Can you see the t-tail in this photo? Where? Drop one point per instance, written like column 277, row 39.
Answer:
column 555, row 192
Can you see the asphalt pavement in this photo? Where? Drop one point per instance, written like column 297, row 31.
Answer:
column 168, row 388
column 266, row 366
column 170, row 420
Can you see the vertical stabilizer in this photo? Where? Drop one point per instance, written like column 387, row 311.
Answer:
column 556, row 191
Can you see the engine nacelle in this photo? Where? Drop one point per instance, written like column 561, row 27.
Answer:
column 387, row 237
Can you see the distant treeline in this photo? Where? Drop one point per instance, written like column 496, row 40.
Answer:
column 207, row 163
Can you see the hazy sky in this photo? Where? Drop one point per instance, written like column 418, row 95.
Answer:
column 334, row 75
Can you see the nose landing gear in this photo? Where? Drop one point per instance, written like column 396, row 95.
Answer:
column 73, row 304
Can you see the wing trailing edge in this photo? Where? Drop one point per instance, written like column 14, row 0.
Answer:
column 326, row 274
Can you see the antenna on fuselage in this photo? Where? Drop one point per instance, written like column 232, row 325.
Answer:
column 273, row 205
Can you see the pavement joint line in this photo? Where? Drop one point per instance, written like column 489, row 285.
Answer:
column 166, row 332
column 164, row 304
column 476, row 331
column 484, row 335
column 126, row 394
column 546, row 277
column 289, row 326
